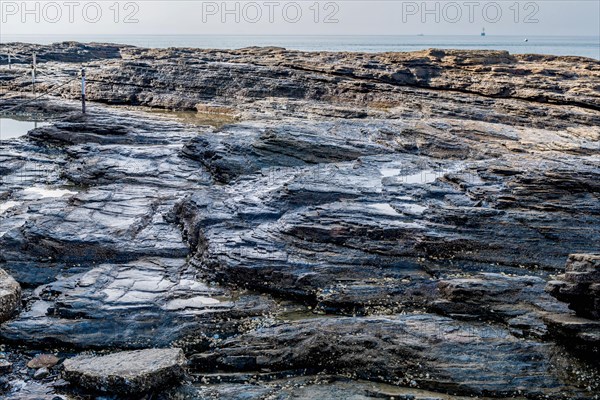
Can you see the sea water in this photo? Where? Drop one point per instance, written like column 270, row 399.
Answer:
column 585, row 46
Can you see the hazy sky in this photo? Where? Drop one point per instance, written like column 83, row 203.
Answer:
column 301, row 17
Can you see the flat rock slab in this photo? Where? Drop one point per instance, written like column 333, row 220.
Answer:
column 10, row 295
column 43, row 361
column 128, row 372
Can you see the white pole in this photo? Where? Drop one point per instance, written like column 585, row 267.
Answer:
column 9, row 61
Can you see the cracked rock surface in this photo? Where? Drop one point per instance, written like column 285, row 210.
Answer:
column 305, row 225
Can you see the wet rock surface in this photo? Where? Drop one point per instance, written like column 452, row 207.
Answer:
column 321, row 225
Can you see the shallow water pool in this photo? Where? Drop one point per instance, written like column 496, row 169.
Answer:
column 11, row 128
column 37, row 192
column 7, row 206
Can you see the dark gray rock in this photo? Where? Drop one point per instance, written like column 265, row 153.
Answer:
column 149, row 302
column 424, row 350
column 581, row 335
column 324, row 387
column 41, row 373
column 580, row 285
column 398, row 218
column 5, row 366
column 389, row 216
column 66, row 52
column 107, row 261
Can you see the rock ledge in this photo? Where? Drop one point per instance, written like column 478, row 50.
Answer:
column 580, row 285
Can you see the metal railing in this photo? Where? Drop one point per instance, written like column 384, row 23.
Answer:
column 34, row 74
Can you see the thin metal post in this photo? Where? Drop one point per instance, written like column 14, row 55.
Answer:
column 83, row 90
column 9, row 60
column 33, row 71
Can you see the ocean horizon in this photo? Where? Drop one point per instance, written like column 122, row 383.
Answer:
column 584, row 46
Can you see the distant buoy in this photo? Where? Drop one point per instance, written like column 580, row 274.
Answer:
column 526, row 40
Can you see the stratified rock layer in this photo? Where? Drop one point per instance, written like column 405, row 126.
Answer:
column 390, row 217
column 420, row 349
column 580, row 285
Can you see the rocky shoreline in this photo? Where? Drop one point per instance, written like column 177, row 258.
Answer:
column 306, row 225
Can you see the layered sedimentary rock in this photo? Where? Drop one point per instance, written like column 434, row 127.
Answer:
column 393, row 218
column 421, row 350
column 580, row 285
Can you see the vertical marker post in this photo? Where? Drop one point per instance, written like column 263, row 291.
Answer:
column 9, row 60
column 83, row 90
column 33, row 71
